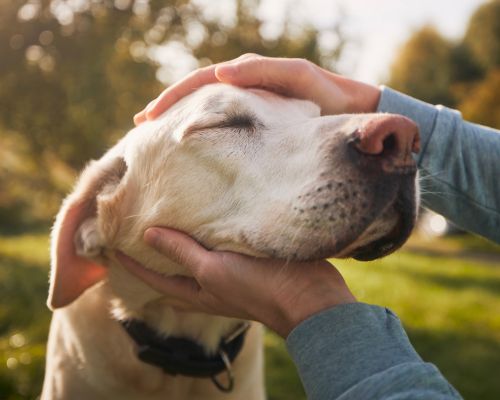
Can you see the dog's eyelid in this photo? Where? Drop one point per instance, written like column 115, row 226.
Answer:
column 239, row 121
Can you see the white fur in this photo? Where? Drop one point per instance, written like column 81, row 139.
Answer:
column 261, row 190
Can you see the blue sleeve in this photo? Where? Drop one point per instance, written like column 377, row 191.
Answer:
column 359, row 351
column 459, row 164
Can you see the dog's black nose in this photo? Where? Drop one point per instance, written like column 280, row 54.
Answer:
column 390, row 139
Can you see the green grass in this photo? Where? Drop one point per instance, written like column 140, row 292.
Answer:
column 24, row 318
column 446, row 292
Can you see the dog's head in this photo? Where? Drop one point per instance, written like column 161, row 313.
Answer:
column 246, row 171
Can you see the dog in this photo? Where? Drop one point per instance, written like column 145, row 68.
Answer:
column 241, row 170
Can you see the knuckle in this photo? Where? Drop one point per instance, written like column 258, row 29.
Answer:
column 249, row 55
column 304, row 70
column 205, row 269
column 175, row 95
column 302, row 65
column 204, row 69
column 259, row 65
column 193, row 75
column 202, row 273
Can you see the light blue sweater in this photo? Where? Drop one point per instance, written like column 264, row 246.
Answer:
column 459, row 164
column 361, row 352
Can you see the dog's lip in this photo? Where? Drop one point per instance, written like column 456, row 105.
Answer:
column 394, row 239
column 380, row 247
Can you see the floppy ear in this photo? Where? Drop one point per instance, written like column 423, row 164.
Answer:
column 71, row 274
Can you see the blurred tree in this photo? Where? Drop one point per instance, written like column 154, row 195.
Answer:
column 73, row 73
column 227, row 42
column 463, row 74
column 483, row 35
column 482, row 103
column 67, row 78
column 463, row 66
column 423, row 67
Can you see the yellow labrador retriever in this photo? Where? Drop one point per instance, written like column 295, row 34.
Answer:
column 239, row 170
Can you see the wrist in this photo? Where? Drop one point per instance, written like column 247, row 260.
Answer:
column 312, row 301
column 359, row 97
column 363, row 98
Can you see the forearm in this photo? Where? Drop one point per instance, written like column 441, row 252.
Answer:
column 356, row 351
column 459, row 164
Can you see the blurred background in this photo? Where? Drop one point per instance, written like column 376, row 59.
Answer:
column 73, row 73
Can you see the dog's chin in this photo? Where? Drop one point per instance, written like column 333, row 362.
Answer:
column 392, row 240
column 384, row 246
column 378, row 239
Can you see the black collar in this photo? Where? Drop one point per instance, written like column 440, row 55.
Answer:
column 180, row 356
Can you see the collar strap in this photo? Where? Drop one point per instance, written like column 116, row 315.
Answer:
column 181, row 356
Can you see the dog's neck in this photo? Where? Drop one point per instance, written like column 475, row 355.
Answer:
column 133, row 299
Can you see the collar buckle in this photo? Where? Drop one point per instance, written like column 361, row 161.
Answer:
column 241, row 329
column 229, row 373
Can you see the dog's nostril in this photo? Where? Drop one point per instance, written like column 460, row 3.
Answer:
column 388, row 135
column 389, row 143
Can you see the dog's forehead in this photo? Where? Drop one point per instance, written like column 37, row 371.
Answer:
column 223, row 97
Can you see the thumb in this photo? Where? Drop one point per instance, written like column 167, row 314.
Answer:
column 181, row 287
column 179, row 248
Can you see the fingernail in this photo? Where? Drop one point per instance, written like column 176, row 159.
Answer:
column 138, row 118
column 150, row 105
column 148, row 110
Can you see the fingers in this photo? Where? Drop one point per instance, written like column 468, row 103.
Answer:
column 286, row 75
column 289, row 76
column 174, row 93
column 180, row 248
column 140, row 117
column 181, row 287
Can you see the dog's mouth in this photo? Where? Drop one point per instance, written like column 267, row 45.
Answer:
column 388, row 243
column 405, row 211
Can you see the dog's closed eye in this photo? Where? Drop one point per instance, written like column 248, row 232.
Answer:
column 238, row 121
column 242, row 121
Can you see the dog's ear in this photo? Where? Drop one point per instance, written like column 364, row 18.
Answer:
column 76, row 235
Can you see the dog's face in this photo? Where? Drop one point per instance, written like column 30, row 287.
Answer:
column 246, row 171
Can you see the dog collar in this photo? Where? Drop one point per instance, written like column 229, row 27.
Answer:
column 181, row 356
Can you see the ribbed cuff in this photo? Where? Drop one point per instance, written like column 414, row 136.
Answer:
column 423, row 114
column 337, row 348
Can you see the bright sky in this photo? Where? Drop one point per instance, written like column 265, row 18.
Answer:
column 378, row 27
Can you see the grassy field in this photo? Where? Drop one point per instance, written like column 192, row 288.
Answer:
column 447, row 293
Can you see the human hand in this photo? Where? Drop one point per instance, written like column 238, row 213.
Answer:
column 291, row 77
column 277, row 293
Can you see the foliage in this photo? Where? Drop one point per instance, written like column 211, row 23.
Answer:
column 24, row 318
column 73, row 74
column 482, row 103
column 482, row 36
column 457, row 74
column 423, row 67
